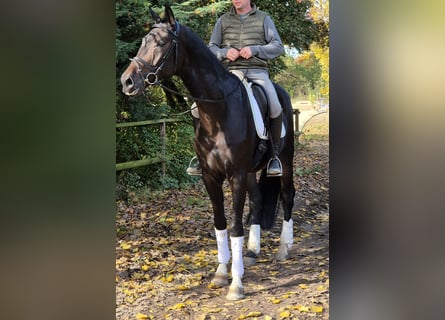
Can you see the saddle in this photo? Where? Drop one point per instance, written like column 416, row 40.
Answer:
column 260, row 109
column 259, row 105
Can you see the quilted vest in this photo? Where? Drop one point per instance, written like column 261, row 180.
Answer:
column 237, row 33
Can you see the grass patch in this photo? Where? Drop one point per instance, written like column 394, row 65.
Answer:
column 196, row 201
column 308, row 171
column 317, row 128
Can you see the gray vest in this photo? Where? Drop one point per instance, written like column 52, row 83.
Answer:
column 237, row 33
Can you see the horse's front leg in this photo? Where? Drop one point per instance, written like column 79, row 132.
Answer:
column 214, row 189
column 255, row 202
column 238, row 186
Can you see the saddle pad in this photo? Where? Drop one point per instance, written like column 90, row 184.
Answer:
column 258, row 118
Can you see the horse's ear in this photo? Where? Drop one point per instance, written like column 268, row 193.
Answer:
column 170, row 17
column 155, row 16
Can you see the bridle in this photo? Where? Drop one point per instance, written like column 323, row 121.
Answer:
column 152, row 76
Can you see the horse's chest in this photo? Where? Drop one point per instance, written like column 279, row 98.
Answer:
column 216, row 150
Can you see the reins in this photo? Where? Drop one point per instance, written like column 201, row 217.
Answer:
column 199, row 99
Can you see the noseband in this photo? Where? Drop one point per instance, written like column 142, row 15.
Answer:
column 152, row 76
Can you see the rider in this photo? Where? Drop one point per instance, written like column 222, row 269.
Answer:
column 244, row 39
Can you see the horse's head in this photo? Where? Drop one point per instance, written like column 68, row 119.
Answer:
column 156, row 58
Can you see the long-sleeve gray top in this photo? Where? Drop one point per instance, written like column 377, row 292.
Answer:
column 272, row 49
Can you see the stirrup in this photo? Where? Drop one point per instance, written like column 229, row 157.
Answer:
column 275, row 172
column 194, row 168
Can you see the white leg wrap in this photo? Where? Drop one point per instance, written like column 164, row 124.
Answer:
column 287, row 233
column 237, row 259
column 254, row 238
column 236, row 282
column 222, row 243
column 222, row 269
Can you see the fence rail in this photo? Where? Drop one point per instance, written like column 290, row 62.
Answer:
column 147, row 122
column 162, row 158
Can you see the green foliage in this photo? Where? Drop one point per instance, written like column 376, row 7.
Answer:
column 289, row 18
column 200, row 16
column 143, row 142
column 300, row 79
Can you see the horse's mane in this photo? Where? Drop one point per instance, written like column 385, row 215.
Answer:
column 206, row 56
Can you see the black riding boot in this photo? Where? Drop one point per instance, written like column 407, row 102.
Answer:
column 194, row 168
column 274, row 167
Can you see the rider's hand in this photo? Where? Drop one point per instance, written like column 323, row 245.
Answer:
column 232, row 54
column 245, row 52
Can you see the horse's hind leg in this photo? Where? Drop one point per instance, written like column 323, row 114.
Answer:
column 254, row 242
column 287, row 198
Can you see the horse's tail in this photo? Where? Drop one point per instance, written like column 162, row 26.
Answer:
column 270, row 189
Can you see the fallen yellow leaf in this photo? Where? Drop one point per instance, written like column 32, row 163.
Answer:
column 182, row 287
column 275, row 300
column 301, row 308
column 316, row 309
column 285, row 314
column 214, row 310
column 267, row 317
column 141, row 316
column 211, row 285
column 250, row 315
column 125, row 245
column 145, row 267
column 129, row 299
column 167, row 279
column 178, row 306
column 302, row 286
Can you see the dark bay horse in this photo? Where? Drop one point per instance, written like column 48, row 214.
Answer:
column 225, row 141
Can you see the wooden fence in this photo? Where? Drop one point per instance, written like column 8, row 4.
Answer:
column 162, row 158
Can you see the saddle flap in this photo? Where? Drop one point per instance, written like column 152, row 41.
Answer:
column 259, row 113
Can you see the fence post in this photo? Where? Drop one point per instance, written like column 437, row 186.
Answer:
column 163, row 150
column 295, row 113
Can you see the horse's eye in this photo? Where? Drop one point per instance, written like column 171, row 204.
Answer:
column 161, row 43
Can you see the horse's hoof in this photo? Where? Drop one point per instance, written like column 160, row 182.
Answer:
column 219, row 281
column 235, row 293
column 280, row 256
column 282, row 253
column 249, row 258
column 249, row 261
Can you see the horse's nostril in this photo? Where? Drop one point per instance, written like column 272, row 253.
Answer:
column 129, row 82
